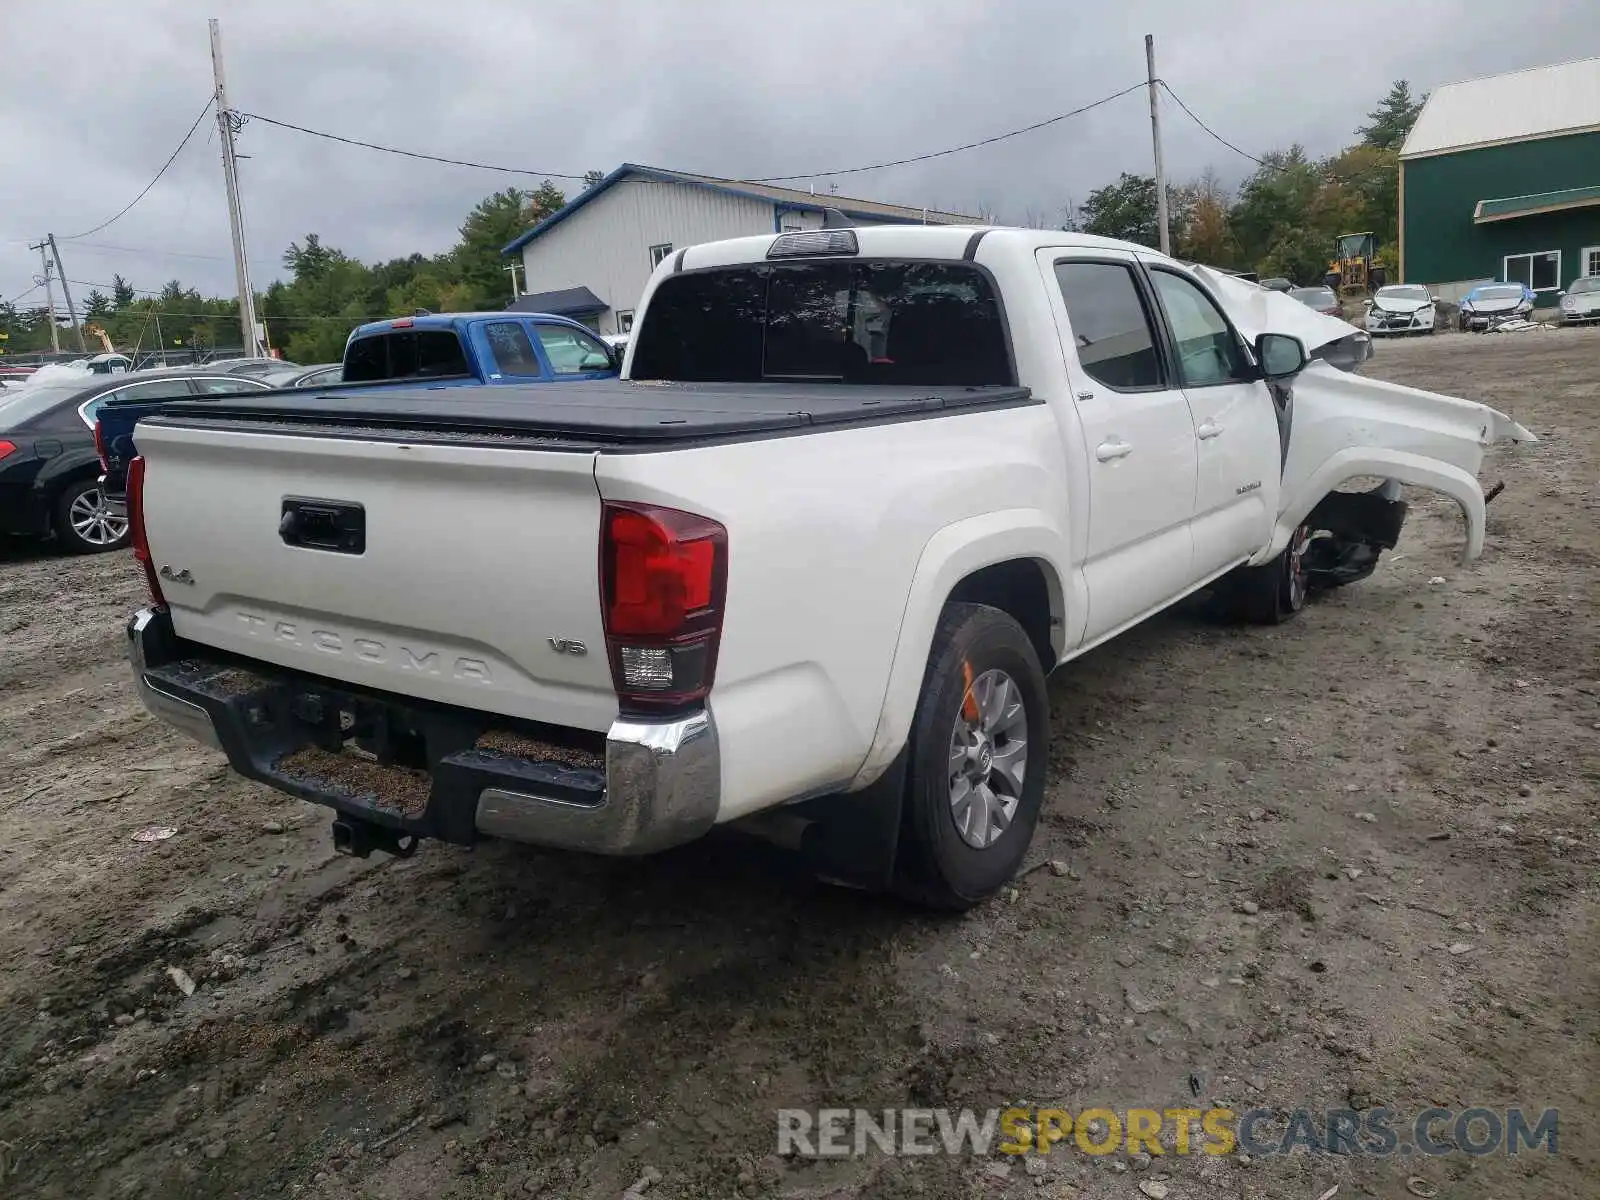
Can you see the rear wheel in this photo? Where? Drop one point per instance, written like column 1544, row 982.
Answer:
column 84, row 522
column 977, row 761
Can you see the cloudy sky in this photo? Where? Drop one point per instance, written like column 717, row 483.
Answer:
column 94, row 97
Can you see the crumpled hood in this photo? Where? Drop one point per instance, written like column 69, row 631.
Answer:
column 1493, row 305
column 1255, row 311
column 1390, row 304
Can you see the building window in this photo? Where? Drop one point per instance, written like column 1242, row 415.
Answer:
column 1540, row 270
column 1591, row 260
column 657, row 253
column 625, row 321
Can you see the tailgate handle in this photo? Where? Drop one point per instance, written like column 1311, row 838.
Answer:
column 333, row 525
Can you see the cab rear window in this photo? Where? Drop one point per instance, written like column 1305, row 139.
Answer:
column 906, row 323
column 405, row 354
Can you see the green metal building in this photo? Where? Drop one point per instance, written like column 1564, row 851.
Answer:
column 1500, row 180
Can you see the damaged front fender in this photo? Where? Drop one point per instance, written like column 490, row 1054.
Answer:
column 1347, row 427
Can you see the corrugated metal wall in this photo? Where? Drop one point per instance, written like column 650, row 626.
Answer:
column 605, row 246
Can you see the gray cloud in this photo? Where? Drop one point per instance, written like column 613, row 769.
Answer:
column 718, row 86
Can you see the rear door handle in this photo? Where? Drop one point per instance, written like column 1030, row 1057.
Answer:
column 1115, row 448
column 1208, row 430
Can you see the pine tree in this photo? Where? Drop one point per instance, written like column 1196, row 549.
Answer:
column 1392, row 119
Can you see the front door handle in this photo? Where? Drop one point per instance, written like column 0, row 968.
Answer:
column 1208, row 430
column 1115, row 448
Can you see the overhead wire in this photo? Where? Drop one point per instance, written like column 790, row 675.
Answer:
column 988, row 141
column 876, row 166
column 1179, row 99
column 417, row 154
column 171, row 158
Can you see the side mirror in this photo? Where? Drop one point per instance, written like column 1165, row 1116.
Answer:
column 1280, row 356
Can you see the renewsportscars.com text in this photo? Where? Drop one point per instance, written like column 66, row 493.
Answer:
column 1376, row 1132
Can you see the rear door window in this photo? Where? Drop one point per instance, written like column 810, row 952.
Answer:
column 513, row 351
column 1111, row 328
column 907, row 323
column 405, row 354
column 156, row 389
column 229, row 385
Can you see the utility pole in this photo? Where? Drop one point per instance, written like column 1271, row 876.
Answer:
column 515, row 290
column 1155, row 131
column 66, row 291
column 49, row 296
column 230, row 177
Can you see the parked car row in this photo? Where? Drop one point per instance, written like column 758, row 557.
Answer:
column 65, row 445
column 49, row 466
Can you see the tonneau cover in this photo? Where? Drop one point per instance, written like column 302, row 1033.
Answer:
column 599, row 411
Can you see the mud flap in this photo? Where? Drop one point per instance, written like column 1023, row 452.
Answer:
column 852, row 839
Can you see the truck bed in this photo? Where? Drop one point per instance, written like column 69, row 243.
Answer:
column 611, row 414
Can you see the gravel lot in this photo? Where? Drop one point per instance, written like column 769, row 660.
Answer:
column 1276, row 838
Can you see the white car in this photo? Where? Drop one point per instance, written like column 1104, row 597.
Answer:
column 1401, row 308
column 1582, row 301
column 807, row 564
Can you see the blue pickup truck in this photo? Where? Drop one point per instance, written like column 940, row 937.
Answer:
column 439, row 349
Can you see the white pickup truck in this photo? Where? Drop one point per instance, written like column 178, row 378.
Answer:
column 857, row 493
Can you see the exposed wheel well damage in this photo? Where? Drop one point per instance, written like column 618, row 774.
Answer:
column 1395, row 467
column 1020, row 587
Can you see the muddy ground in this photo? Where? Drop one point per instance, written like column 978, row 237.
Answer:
column 1274, row 840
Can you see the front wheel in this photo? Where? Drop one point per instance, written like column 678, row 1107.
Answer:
column 1275, row 591
column 84, row 521
column 977, row 761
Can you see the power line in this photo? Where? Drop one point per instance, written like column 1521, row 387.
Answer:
column 453, row 162
column 170, row 159
column 1260, row 162
column 988, row 141
column 160, row 253
column 1373, row 172
column 899, row 162
column 29, row 292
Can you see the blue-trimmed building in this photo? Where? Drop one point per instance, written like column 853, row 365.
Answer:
column 591, row 259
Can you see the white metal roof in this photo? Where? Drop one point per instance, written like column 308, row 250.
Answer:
column 1515, row 107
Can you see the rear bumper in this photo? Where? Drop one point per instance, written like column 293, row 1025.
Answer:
column 433, row 770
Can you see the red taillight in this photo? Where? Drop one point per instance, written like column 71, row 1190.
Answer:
column 141, row 547
column 401, row 323
column 663, row 577
column 7, row 448
column 100, row 448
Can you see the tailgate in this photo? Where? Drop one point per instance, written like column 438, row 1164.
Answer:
column 472, row 579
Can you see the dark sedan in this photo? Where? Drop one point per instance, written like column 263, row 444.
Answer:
column 313, row 376
column 49, row 468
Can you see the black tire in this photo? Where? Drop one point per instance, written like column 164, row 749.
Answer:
column 1275, row 591
column 84, row 541
column 936, row 864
